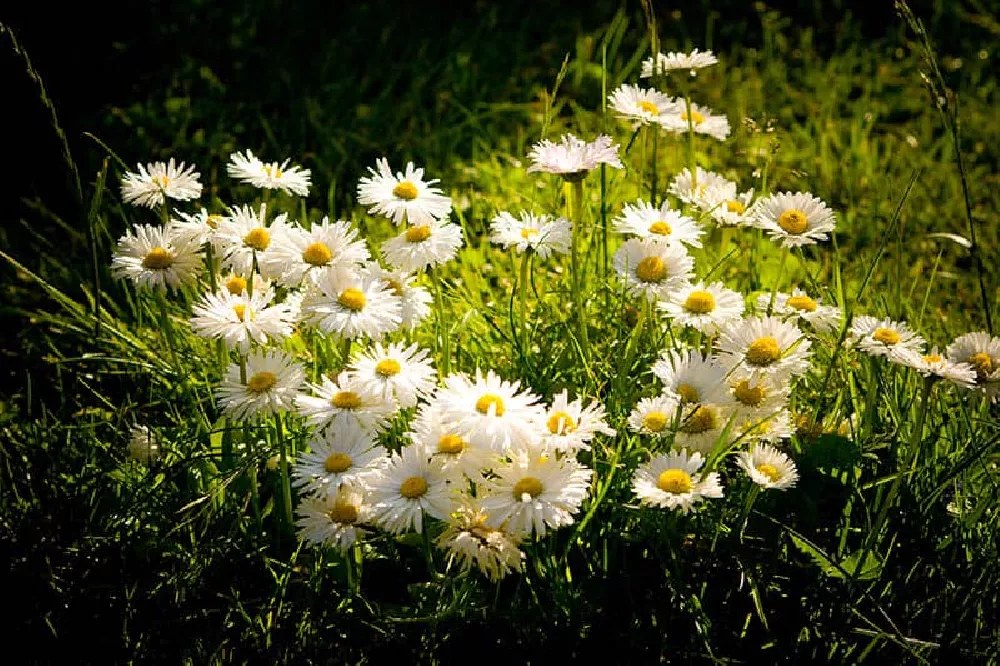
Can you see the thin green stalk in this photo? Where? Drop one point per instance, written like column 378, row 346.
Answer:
column 248, row 442
column 745, row 515
column 286, row 486
column 345, row 352
column 574, row 204
column 690, row 145
column 777, row 282
column 168, row 329
column 522, row 294
column 441, row 337
column 652, row 161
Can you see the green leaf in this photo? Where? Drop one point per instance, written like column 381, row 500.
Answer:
column 851, row 566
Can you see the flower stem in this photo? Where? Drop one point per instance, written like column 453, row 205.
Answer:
column 777, row 282
column 690, row 147
column 522, row 293
column 652, row 162
column 574, row 212
column 286, row 487
column 441, row 338
column 345, row 352
column 168, row 329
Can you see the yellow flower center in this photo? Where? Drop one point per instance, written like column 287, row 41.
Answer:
column 157, row 259
column 751, row 396
column 651, row 269
column 793, row 221
column 886, row 336
column 258, row 239
column 236, row 285
column 346, row 400
column 696, row 117
column 699, row 302
column 983, row 364
column 735, row 206
column 213, row 221
column 488, row 400
column 317, row 254
column 675, row 481
column 418, row 234
column 649, row 107
column 343, row 513
column 387, row 367
column 933, row 358
column 272, row 171
column 701, row 420
column 413, row 487
column 261, row 382
column 803, row 303
column 240, row 310
column 161, row 181
column 336, row 463
column 660, row 228
column 352, row 299
column 688, row 393
column 561, row 423
column 528, row 233
column 770, row 471
column 451, row 443
column 655, row 421
column 405, row 190
column 528, row 485
column 763, row 351
column 396, row 286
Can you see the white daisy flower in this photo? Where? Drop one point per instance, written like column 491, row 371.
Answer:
column 662, row 224
column 238, row 284
column 351, row 306
column 706, row 308
column 470, row 541
column 332, row 520
column 396, row 372
column 704, row 190
column 702, row 121
column 156, row 182
column 728, row 208
column 303, row 255
column 440, row 440
column 666, row 62
column 533, row 493
column 569, row 426
column 407, row 488
column 425, row 245
column 653, row 416
column 248, row 168
column 880, row 337
column 347, row 400
column 652, row 269
column 340, row 454
column 763, row 426
column 801, row 306
column 671, row 481
column 794, row 219
column 690, row 378
column 156, row 257
column 768, row 467
column 240, row 320
column 403, row 197
column 246, row 234
column 700, row 426
column 143, row 445
column 758, row 397
column 935, row 365
column 540, row 234
column 416, row 300
column 983, row 353
column 273, row 379
column 198, row 227
column 573, row 158
column 762, row 346
column 641, row 106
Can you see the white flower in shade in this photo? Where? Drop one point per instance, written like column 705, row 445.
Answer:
column 407, row 488
column 690, row 378
column 704, row 190
column 667, row 62
column 347, row 400
column 758, row 397
column 470, row 541
column 569, row 426
column 641, row 106
column 652, row 269
column 396, row 372
column 935, row 365
column 653, row 416
column 768, row 467
column 540, row 234
column 880, row 337
column 573, row 158
column 706, row 308
column 332, row 520
column 198, row 227
column 800, row 306
column 156, row 257
column 763, row 426
column 143, row 445
column 416, row 300
column 352, row 305
column 303, row 255
column 662, row 224
column 983, row 353
column 794, row 219
column 535, row 493
column 248, row 168
column 700, row 426
column 671, row 481
column 246, row 234
column 441, row 441
column 240, row 320
column 273, row 379
column 425, row 245
column 730, row 209
column 154, row 183
column 701, row 120
column 488, row 411
column 405, row 197
column 763, row 346
column 342, row 453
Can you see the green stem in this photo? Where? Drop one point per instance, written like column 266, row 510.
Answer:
column 286, row 486
column 168, row 329
column 745, row 517
column 575, row 215
column 522, row 293
column 345, row 352
column 690, row 146
column 652, row 161
column 441, row 338
column 777, row 282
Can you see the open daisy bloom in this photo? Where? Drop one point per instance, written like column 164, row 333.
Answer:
column 248, row 168
column 935, row 365
column 573, row 158
column 690, row 378
column 704, row 191
column 198, row 227
column 241, row 319
column 156, row 257
column 701, row 120
column 423, row 245
column 542, row 234
column 799, row 305
column 416, row 300
column 352, row 305
column 668, row 62
column 671, row 481
column 764, row 346
column 244, row 236
column 347, row 400
column 398, row 373
column 664, row 224
column 404, row 197
column 654, row 416
column 334, row 519
column 642, row 106
column 768, row 467
column 880, row 337
column 982, row 352
column 652, row 269
column 304, row 255
column 273, row 380
column 794, row 219
column 704, row 307
column 407, row 488
column 154, row 183
column 729, row 208
column 469, row 540
column 569, row 426
column 441, row 441
column 340, row 454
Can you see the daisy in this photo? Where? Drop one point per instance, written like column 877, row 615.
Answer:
column 198, row 227
column 156, row 257
column 880, row 337
column 758, row 397
column 671, row 481
column 794, row 219
column 303, row 255
column 662, row 224
column 706, row 308
column 672, row 61
column 469, row 540
column 237, row 284
column 572, row 158
column 407, row 488
column 700, row 426
column 242, row 319
column 352, row 306
column 416, row 300
column 403, row 197
column 703, row 191
column 273, row 379
column 158, row 181
column 762, row 426
column 642, row 106
column 396, row 372
column 764, row 345
column 332, row 520
column 730, row 209
column 701, row 121
column 652, row 269
column 426, row 245
column 653, row 416
column 935, row 365
column 768, row 467
column 342, row 453
column 690, row 378
column 143, row 445
column 540, row 234
column 441, row 441
column 346, row 400
column 983, row 353
column 569, row 426
column 245, row 235
column 248, row 168
column 488, row 411
column 801, row 306
column 533, row 493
